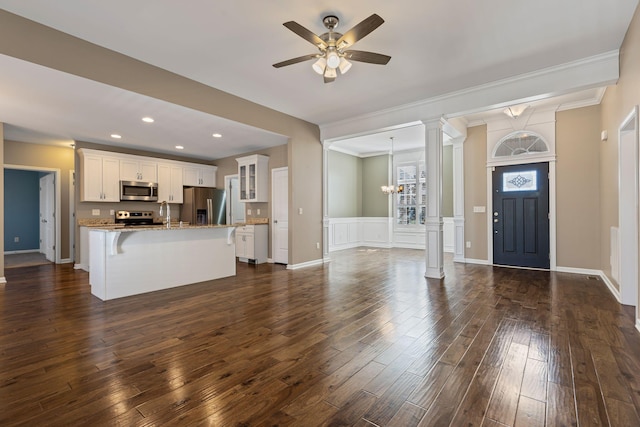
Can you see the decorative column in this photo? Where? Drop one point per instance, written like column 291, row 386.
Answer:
column 325, row 201
column 434, row 223
column 458, row 200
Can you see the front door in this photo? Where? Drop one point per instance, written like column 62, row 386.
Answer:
column 521, row 215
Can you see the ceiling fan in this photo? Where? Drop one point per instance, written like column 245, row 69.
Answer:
column 334, row 47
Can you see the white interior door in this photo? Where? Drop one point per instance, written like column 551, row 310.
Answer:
column 628, row 208
column 280, row 215
column 47, row 217
column 235, row 208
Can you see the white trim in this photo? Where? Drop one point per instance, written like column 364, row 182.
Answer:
column 477, row 261
column 638, row 325
column 66, row 261
column 26, row 251
column 305, row 264
column 3, row 280
column 628, row 186
column 595, row 71
column 58, row 195
column 590, row 272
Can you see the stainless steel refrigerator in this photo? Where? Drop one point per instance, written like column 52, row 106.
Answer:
column 204, row 206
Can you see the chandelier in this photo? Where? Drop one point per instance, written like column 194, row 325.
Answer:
column 390, row 189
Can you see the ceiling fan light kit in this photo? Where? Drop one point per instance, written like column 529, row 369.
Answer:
column 332, row 45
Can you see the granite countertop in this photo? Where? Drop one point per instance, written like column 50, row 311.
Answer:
column 175, row 226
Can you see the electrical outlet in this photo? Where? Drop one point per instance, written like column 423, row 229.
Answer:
column 112, row 212
column 257, row 211
column 16, row 239
column 248, row 211
column 317, row 245
column 299, row 211
column 468, row 244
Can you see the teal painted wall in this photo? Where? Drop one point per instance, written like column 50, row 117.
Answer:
column 21, row 210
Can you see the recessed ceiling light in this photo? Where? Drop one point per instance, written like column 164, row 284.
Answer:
column 116, row 136
column 217, row 135
column 179, row 147
column 148, row 119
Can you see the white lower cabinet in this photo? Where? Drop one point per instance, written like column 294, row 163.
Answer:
column 252, row 243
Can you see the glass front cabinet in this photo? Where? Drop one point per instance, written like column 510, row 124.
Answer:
column 253, row 176
column 411, row 198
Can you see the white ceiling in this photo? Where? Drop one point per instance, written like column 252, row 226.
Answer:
column 435, row 49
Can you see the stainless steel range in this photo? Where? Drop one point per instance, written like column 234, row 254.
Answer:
column 135, row 218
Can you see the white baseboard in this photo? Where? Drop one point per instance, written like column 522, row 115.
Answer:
column 26, row 251
column 591, row 272
column 65, row 261
column 305, row 264
column 476, row 261
column 3, row 280
column 78, row 266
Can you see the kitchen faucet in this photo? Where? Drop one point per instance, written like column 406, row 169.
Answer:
column 168, row 212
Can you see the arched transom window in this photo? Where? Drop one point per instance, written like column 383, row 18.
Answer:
column 520, row 143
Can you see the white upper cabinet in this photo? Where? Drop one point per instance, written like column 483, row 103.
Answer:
column 100, row 177
column 170, row 183
column 253, row 172
column 138, row 169
column 199, row 175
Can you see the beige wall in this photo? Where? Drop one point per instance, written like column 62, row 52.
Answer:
column 617, row 103
column 47, row 157
column 577, row 187
column 2, row 144
column 475, row 192
column 30, row 41
column 375, row 174
column 344, row 195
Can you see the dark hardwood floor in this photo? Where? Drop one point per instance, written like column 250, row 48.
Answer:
column 364, row 340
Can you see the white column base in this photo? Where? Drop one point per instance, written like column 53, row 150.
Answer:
column 435, row 269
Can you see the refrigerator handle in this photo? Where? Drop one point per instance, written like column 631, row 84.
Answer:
column 209, row 211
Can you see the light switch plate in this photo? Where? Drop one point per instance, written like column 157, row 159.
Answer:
column 479, row 209
column 95, row 212
column 248, row 211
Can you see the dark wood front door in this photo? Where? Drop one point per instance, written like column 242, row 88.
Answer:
column 521, row 215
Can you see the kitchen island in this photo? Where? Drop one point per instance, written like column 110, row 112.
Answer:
column 130, row 261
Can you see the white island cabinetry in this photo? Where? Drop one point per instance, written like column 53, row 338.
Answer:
column 134, row 261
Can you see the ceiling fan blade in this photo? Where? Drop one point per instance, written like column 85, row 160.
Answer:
column 329, row 79
column 359, row 31
column 370, row 57
column 305, row 34
column 295, row 60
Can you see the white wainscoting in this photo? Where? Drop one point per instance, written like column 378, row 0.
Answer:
column 448, row 235
column 345, row 233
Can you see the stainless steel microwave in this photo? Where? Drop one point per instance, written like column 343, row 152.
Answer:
column 136, row 190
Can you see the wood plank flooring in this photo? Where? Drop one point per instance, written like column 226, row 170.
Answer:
column 362, row 341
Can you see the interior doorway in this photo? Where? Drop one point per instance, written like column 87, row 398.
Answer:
column 235, row 208
column 628, row 208
column 52, row 197
column 280, row 215
column 47, row 216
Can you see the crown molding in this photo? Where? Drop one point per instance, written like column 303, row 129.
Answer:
column 595, row 71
